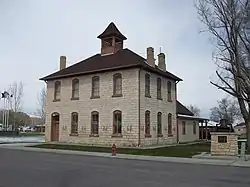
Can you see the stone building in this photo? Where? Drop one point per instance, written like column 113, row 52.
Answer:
column 116, row 96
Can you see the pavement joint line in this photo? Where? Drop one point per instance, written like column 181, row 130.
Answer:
column 131, row 157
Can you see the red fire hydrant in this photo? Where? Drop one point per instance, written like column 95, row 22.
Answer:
column 113, row 150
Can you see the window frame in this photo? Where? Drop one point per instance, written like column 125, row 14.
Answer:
column 169, row 91
column 94, row 127
column 116, row 77
column 170, row 124
column 57, row 91
column 194, row 128
column 147, row 124
column 159, row 124
column 75, row 90
column 74, row 123
column 159, row 88
column 116, row 128
column 147, row 85
column 95, row 79
column 183, row 124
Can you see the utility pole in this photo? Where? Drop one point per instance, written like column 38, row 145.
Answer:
column 6, row 96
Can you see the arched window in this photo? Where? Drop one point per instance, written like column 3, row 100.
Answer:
column 169, row 87
column 147, row 85
column 95, row 87
column 117, row 84
column 159, row 123
column 169, row 124
column 74, row 123
column 94, row 123
column 75, row 89
column 159, row 88
column 147, row 124
column 117, row 122
column 57, row 91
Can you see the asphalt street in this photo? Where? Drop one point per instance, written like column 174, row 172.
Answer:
column 35, row 169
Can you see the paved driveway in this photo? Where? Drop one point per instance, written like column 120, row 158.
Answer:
column 35, row 169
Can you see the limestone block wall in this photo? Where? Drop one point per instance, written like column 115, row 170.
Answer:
column 105, row 105
column 224, row 144
column 155, row 105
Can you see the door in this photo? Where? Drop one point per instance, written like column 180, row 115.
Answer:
column 55, row 121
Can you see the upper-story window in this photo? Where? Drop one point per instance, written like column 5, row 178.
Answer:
column 169, row 87
column 147, row 85
column 75, row 89
column 95, row 87
column 117, row 84
column 159, row 88
column 57, row 91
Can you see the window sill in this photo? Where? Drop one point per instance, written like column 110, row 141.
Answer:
column 116, row 136
column 94, row 97
column 148, row 136
column 169, row 100
column 73, row 134
column 94, row 135
column 75, row 98
column 117, row 95
column 159, row 98
column 170, row 135
column 56, row 100
column 160, row 135
column 148, row 96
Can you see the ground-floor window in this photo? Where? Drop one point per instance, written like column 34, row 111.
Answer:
column 74, row 123
column 94, row 123
column 117, row 122
column 147, row 123
column 169, row 124
column 159, row 123
column 194, row 127
column 183, row 127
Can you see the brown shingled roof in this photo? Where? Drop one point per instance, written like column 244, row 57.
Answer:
column 122, row 59
column 181, row 109
column 112, row 30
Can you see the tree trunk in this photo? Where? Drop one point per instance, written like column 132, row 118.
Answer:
column 248, row 134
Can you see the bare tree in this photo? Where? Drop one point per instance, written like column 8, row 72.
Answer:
column 227, row 109
column 41, row 104
column 194, row 109
column 228, row 23
column 16, row 90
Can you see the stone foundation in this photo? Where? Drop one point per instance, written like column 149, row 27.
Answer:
column 224, row 144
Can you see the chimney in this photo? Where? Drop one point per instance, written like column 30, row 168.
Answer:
column 161, row 62
column 62, row 62
column 150, row 56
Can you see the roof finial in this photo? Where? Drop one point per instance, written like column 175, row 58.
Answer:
column 160, row 49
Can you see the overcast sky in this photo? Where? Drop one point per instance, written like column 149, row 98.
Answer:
column 33, row 34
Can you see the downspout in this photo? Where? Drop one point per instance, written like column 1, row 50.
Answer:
column 177, row 124
column 139, row 108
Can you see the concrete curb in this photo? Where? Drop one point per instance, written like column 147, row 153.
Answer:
column 129, row 157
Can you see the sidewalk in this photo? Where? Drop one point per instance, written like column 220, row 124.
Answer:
column 36, row 139
column 236, row 162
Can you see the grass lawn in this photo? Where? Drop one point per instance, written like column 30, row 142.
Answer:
column 173, row 151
